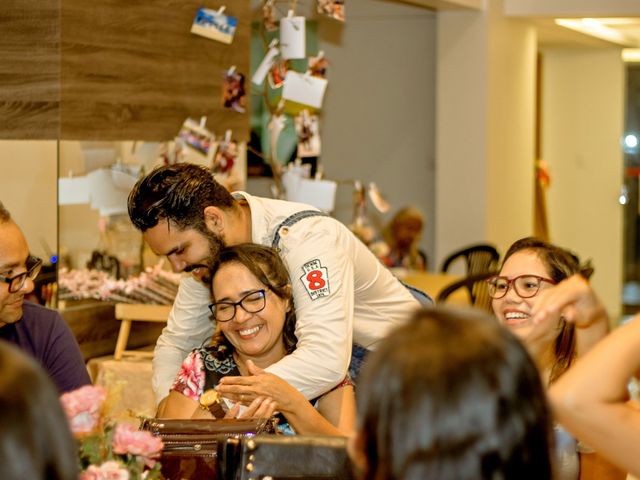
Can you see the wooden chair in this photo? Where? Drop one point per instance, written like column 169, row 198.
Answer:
column 128, row 313
column 480, row 258
column 476, row 287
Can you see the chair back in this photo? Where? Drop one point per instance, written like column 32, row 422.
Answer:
column 480, row 258
column 476, row 287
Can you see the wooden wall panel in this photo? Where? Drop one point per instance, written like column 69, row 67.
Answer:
column 29, row 69
column 132, row 70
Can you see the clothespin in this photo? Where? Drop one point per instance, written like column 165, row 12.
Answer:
column 290, row 13
column 273, row 43
column 203, row 122
column 320, row 54
column 221, row 10
column 231, row 70
column 227, row 136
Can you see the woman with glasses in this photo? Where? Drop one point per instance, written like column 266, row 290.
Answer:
column 253, row 309
column 531, row 266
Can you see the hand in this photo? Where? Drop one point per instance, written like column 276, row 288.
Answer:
column 573, row 299
column 259, row 384
column 260, row 408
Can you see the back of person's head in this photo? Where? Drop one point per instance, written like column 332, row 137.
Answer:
column 177, row 193
column 35, row 439
column 559, row 262
column 266, row 265
column 452, row 395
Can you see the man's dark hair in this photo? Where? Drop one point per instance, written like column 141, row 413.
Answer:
column 5, row 216
column 178, row 193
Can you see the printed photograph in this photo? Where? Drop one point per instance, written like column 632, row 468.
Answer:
column 234, row 95
column 214, row 25
column 332, row 8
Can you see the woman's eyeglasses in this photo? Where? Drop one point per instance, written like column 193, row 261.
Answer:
column 526, row 286
column 33, row 265
column 252, row 302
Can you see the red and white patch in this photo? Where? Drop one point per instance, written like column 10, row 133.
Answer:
column 315, row 279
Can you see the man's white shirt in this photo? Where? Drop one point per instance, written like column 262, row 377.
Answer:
column 342, row 294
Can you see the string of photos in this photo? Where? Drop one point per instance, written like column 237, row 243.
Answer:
column 289, row 85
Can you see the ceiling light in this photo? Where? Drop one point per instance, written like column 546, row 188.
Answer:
column 631, row 55
column 595, row 28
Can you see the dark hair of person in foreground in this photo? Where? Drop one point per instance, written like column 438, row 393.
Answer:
column 452, row 395
column 35, row 440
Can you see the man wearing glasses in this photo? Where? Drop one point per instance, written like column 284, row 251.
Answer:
column 39, row 331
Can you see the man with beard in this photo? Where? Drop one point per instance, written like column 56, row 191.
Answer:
column 38, row 331
column 342, row 294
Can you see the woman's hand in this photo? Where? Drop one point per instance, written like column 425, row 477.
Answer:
column 573, row 299
column 246, row 389
column 260, row 408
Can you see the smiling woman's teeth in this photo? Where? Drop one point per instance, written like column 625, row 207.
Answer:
column 249, row 331
column 515, row 315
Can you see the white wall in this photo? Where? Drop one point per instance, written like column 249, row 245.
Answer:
column 28, row 190
column 379, row 114
column 485, row 129
column 511, row 130
column 583, row 113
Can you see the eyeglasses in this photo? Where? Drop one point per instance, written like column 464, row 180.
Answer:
column 16, row 282
column 526, row 286
column 252, row 302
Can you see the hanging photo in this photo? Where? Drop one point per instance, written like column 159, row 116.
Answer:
column 234, row 95
column 197, row 137
column 277, row 73
column 318, row 66
column 292, row 37
column 226, row 155
column 269, row 17
column 229, row 163
column 215, row 25
column 332, row 8
column 307, row 128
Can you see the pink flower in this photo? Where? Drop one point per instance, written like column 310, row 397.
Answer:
column 83, row 408
column 127, row 439
column 111, row 470
column 190, row 379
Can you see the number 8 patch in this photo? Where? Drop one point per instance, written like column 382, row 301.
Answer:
column 315, row 279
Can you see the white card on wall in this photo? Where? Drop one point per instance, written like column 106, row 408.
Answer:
column 292, row 37
column 304, row 89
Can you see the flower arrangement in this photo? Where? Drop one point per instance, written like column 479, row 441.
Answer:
column 108, row 450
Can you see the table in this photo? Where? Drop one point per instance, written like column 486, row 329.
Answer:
column 434, row 283
column 128, row 382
